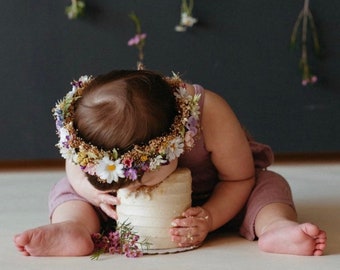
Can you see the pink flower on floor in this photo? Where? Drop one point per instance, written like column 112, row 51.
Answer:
column 121, row 240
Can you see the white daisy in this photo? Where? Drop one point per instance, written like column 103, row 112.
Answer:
column 156, row 162
column 175, row 148
column 110, row 170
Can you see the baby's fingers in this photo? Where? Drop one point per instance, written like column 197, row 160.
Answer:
column 108, row 199
column 199, row 213
column 184, row 222
column 192, row 211
column 186, row 237
column 108, row 210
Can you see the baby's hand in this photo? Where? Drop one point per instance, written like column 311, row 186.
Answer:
column 103, row 199
column 107, row 202
column 192, row 228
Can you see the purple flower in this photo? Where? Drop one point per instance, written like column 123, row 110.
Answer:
column 191, row 125
column 77, row 84
column 131, row 174
column 136, row 39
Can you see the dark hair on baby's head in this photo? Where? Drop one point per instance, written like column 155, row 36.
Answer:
column 125, row 107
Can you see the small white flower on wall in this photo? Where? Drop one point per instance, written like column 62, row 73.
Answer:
column 187, row 20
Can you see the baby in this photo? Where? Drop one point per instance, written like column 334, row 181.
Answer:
column 135, row 128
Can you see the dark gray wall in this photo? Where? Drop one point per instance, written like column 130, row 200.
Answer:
column 239, row 49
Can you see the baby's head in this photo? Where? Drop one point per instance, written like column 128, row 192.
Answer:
column 123, row 108
column 121, row 125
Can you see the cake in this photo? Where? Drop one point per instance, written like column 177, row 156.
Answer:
column 150, row 210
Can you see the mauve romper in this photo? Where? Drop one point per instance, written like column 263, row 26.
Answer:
column 270, row 187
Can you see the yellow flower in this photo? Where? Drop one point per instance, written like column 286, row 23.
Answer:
column 144, row 158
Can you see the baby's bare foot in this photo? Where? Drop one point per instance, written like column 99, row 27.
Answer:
column 59, row 239
column 293, row 238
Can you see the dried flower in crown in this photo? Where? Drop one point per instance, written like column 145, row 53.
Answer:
column 109, row 165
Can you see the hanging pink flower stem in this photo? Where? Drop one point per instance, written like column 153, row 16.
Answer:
column 306, row 18
column 138, row 40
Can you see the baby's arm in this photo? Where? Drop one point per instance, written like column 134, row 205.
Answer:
column 231, row 154
column 225, row 140
column 84, row 188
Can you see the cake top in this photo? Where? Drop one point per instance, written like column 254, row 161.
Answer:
column 177, row 182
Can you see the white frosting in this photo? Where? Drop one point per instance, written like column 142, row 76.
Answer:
column 151, row 211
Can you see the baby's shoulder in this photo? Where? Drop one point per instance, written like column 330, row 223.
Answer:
column 213, row 102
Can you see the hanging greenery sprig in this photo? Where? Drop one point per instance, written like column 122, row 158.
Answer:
column 138, row 40
column 75, row 10
column 187, row 19
column 306, row 19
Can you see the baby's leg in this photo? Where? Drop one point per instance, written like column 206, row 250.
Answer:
column 69, row 234
column 279, row 232
column 270, row 210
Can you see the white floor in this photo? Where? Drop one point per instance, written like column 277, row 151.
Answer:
column 316, row 188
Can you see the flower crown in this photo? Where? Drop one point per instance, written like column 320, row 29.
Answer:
column 108, row 165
